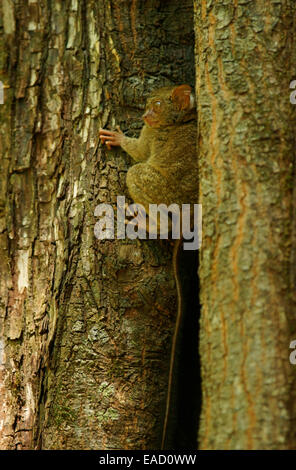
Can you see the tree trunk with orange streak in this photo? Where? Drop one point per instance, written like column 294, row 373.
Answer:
column 245, row 63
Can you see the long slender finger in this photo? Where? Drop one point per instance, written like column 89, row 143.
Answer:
column 105, row 131
column 107, row 138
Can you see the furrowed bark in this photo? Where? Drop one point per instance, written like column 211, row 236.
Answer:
column 85, row 324
column 245, row 62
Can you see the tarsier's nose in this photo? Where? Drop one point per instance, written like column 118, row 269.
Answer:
column 147, row 114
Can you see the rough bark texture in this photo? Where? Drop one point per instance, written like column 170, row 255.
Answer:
column 245, row 62
column 85, row 325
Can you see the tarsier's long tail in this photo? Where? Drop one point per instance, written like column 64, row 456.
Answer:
column 176, row 249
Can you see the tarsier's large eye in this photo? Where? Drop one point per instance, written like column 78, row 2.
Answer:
column 156, row 105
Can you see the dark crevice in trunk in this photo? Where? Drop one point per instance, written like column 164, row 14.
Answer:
column 186, row 393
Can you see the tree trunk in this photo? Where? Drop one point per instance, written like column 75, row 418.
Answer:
column 86, row 325
column 245, row 62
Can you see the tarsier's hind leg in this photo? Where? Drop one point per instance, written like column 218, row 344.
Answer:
column 147, row 186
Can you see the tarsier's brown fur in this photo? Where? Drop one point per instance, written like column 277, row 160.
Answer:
column 168, row 168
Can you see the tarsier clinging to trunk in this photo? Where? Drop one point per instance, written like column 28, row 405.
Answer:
column 168, row 169
column 166, row 149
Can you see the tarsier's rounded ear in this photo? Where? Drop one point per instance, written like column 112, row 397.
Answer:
column 181, row 97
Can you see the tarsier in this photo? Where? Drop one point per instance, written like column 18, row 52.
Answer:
column 168, row 169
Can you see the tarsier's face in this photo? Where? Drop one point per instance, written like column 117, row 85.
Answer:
column 166, row 105
column 154, row 111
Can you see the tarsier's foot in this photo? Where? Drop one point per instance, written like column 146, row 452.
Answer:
column 132, row 214
column 128, row 211
column 139, row 223
column 135, row 216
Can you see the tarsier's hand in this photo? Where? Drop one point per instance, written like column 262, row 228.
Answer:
column 111, row 138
